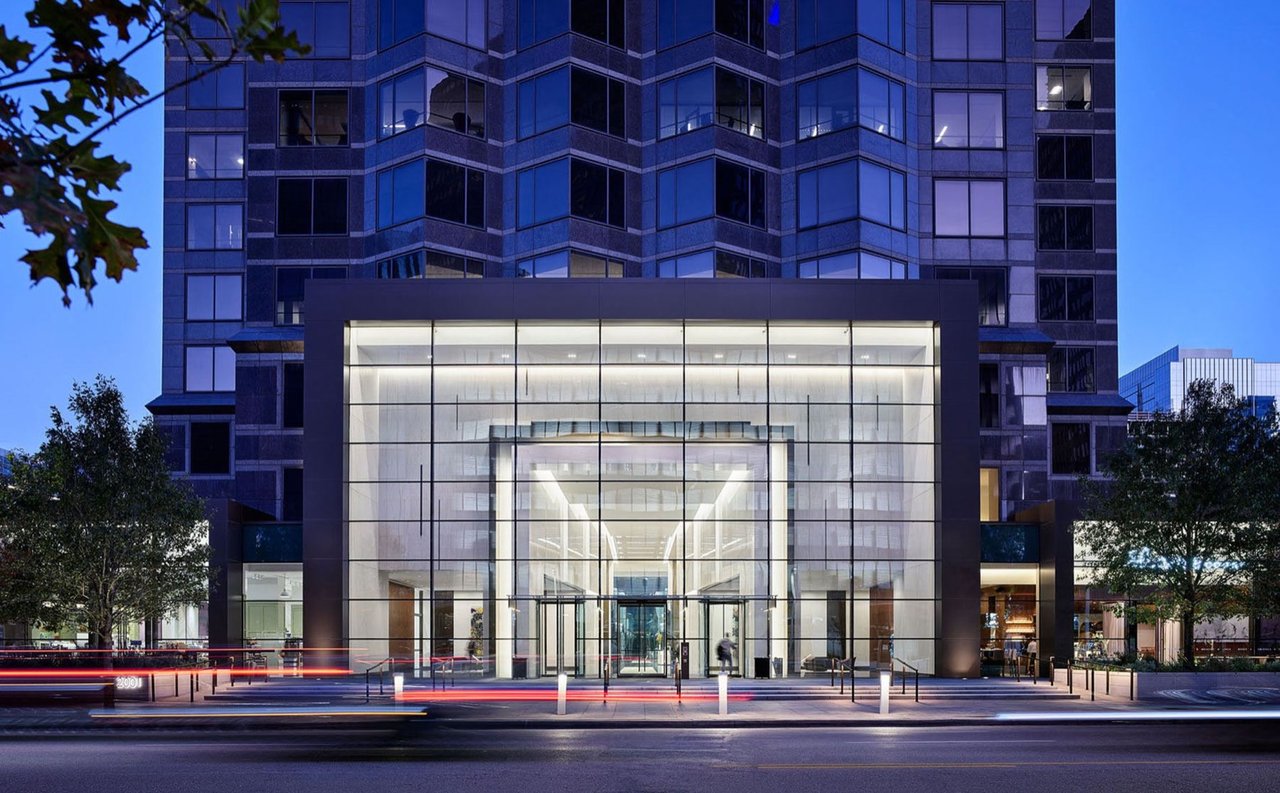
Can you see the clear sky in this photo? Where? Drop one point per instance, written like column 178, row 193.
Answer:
column 1197, row 191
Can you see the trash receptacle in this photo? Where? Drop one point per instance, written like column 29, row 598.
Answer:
column 761, row 667
column 519, row 667
column 777, row 667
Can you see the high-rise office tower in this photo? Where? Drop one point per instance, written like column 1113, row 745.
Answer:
column 568, row 251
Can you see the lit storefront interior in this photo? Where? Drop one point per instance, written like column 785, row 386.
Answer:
column 525, row 498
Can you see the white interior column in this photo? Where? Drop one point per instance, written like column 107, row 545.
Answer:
column 778, row 553
column 504, row 548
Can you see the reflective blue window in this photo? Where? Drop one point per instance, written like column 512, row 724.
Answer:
column 828, row 194
column 574, row 187
column 543, row 103
column 694, row 265
column 401, row 102
column 968, row 32
column 542, row 19
column 221, row 88
column 602, row 20
column 682, row 20
column 881, row 104
column 686, row 102
column 323, row 26
column 881, row 20
column 399, row 20
column 819, row 21
column 881, row 195
column 570, row 94
column 851, row 97
column 401, row 194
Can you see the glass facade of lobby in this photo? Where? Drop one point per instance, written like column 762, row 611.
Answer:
column 525, row 498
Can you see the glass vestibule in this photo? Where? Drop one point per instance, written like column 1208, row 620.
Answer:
column 581, row 497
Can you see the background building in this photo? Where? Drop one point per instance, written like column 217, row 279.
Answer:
column 1161, row 383
column 806, row 139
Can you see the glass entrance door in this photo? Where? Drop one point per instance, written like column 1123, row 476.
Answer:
column 561, row 636
column 724, row 620
column 640, row 638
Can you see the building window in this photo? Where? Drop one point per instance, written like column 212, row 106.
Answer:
column 214, row 298
column 602, row 20
column 1064, row 88
column 711, row 187
column 571, row 95
column 968, row 208
column 291, row 494
column 820, row 21
column 313, row 118
column 683, row 20
column 210, row 368
column 430, row 264
column 215, row 227
column 856, row 264
column 825, row 195
column 402, row 193
column 711, row 96
column 1071, row 448
column 1064, row 228
column 1059, row 20
column 322, row 26
column 215, row 156
column 462, row 21
column 210, row 447
column 571, row 187
column 993, row 291
column 1064, row 157
column 968, row 32
column 219, row 89
column 851, row 97
column 1071, row 370
column 455, row 193
column 714, row 264
column 881, row 20
column 1066, row 298
column 988, row 395
column 569, row 264
column 311, row 206
column 442, row 99
column 292, row 403
column 291, row 289
column 968, row 120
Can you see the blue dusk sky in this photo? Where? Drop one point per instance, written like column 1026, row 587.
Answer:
column 1197, row 195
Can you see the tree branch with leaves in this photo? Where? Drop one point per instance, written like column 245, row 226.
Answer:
column 59, row 97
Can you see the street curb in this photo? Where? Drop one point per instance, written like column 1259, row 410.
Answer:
column 736, row 724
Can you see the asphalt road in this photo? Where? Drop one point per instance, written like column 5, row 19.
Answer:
column 1166, row 758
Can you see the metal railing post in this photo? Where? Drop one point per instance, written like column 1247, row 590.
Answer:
column 191, row 687
column 1108, row 676
column 152, row 678
column 1093, row 688
column 366, row 685
column 917, row 685
column 1071, row 677
column 853, row 693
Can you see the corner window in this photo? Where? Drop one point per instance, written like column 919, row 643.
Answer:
column 1064, row 157
column 1066, row 298
column 401, row 103
column 293, row 404
column 311, row 206
column 851, row 97
column 714, row 264
column 852, row 189
column 214, row 298
column 323, row 26
column 313, row 118
column 968, row 32
column 291, row 289
column 215, row 227
column 1071, row 448
column 711, row 96
column 1059, row 20
column 210, row 447
column 402, row 193
column 711, row 187
column 1064, row 88
column 210, row 368
column 291, row 494
column 1064, row 228
column 571, row 95
column 857, row 264
column 220, row 89
column 993, row 291
column 1071, row 370
column 571, row 187
column 439, row 98
column 968, row 120
column 881, row 20
column 569, row 264
column 684, row 20
column 968, row 208
column 988, row 395
column 820, row 21
column 602, row 20
column 455, row 193
column 430, row 264
column 215, row 156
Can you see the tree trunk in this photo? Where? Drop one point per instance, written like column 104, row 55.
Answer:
column 100, row 631
column 1189, row 639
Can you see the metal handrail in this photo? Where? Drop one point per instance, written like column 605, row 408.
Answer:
column 381, row 672
column 904, row 676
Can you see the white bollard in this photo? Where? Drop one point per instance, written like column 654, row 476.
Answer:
column 562, row 685
column 886, row 680
column 397, row 682
column 724, row 694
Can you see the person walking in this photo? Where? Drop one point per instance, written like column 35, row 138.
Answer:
column 724, row 654
column 1033, row 649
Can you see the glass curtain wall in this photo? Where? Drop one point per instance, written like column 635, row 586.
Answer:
column 531, row 498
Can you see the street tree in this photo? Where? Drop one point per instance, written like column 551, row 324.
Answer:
column 1185, row 523
column 93, row 531
column 69, row 84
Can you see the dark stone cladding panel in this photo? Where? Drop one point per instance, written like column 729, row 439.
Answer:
column 257, row 490
column 268, row 445
column 557, row 51
column 716, row 140
column 952, row 305
column 255, row 397
column 734, row 54
column 582, row 142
